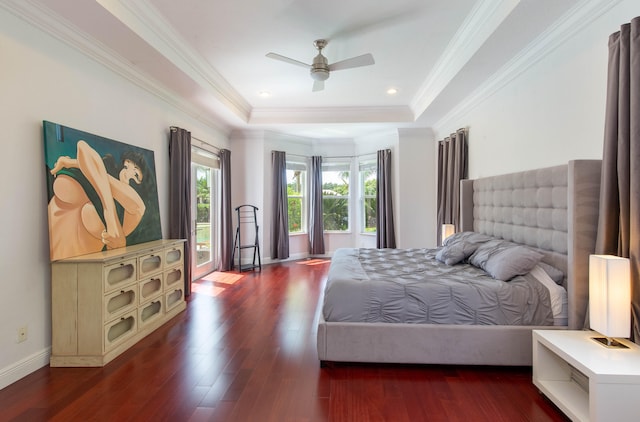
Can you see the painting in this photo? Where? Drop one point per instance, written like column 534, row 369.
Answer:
column 102, row 194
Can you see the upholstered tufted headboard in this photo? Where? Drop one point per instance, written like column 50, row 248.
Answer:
column 554, row 210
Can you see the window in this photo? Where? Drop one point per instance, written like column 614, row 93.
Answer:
column 335, row 195
column 368, row 203
column 296, row 194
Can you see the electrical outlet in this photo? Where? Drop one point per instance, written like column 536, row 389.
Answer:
column 22, row 334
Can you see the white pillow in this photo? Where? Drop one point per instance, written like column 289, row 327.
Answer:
column 556, row 292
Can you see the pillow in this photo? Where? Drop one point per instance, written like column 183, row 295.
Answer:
column 556, row 275
column 471, row 237
column 459, row 247
column 504, row 260
column 556, row 293
column 452, row 254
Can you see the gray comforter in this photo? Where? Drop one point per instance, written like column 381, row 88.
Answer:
column 411, row 286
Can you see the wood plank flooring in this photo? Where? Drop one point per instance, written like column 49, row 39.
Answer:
column 244, row 350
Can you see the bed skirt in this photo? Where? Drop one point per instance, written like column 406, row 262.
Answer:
column 425, row 343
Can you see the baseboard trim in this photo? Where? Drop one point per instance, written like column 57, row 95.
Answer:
column 26, row 366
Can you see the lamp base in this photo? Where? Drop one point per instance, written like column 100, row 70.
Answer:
column 610, row 343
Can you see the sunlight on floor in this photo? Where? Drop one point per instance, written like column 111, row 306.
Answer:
column 215, row 283
column 316, row 261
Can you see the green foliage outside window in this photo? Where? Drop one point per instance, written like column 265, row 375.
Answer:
column 295, row 189
column 335, row 201
column 295, row 214
column 369, row 199
column 203, row 207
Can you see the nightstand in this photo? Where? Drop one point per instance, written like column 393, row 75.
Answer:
column 586, row 380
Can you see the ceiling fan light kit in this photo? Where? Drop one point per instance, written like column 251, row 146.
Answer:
column 320, row 69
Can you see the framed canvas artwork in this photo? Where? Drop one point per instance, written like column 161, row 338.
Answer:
column 102, row 194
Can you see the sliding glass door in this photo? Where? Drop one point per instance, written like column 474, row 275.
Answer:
column 205, row 212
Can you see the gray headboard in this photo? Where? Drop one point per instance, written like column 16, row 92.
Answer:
column 554, row 210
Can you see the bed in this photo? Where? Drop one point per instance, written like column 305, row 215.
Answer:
column 551, row 212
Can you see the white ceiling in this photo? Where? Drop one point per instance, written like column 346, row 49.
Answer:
column 208, row 56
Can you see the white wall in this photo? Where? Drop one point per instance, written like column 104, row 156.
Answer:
column 550, row 114
column 416, row 189
column 41, row 79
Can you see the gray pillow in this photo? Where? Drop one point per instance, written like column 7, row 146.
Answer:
column 470, row 237
column 452, row 254
column 504, row 260
column 459, row 247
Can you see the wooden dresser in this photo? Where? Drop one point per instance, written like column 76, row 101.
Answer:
column 105, row 302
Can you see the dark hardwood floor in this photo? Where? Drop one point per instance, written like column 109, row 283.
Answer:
column 244, row 350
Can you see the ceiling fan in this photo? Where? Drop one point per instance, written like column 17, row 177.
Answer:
column 320, row 68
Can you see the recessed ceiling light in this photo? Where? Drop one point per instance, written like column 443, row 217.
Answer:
column 392, row 91
column 264, row 94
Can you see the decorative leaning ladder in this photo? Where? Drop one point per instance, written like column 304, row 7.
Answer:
column 246, row 218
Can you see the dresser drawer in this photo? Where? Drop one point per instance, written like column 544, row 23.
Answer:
column 150, row 264
column 120, row 301
column 173, row 298
column 173, row 256
column 150, row 312
column 118, row 330
column 173, row 278
column 150, row 288
column 120, row 274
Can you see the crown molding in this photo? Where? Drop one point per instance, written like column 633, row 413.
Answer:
column 145, row 21
column 482, row 21
column 400, row 114
column 575, row 20
column 46, row 20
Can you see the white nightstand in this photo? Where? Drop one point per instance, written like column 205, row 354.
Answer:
column 586, row 380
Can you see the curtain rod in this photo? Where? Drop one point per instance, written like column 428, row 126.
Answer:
column 205, row 143
column 335, row 156
column 193, row 138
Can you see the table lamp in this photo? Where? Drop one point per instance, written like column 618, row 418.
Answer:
column 610, row 298
column 447, row 230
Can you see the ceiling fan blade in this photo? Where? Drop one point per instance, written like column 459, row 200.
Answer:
column 318, row 86
column 364, row 60
column 287, row 60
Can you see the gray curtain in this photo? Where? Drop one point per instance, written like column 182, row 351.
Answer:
column 619, row 218
column 180, row 195
column 385, row 230
column 452, row 168
column 226, row 221
column 280, row 214
column 316, row 222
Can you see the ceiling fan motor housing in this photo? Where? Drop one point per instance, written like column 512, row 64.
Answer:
column 320, row 68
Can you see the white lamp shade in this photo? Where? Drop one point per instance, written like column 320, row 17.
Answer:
column 447, row 230
column 610, row 295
